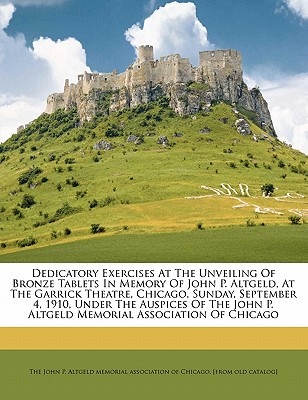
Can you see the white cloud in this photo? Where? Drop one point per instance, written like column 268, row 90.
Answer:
column 6, row 14
column 66, row 58
column 287, row 97
column 29, row 75
column 299, row 7
column 288, row 103
column 173, row 28
column 16, row 111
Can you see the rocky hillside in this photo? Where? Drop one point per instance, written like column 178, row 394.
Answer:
column 142, row 170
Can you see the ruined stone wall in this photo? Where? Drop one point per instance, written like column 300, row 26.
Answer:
column 170, row 69
column 140, row 73
column 54, row 102
column 216, row 67
column 104, row 81
column 222, row 60
column 222, row 71
column 70, row 94
column 173, row 69
column 148, row 80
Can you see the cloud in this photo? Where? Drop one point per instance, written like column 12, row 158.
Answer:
column 29, row 75
column 287, row 97
column 6, row 14
column 66, row 58
column 173, row 28
column 288, row 103
column 16, row 111
column 298, row 7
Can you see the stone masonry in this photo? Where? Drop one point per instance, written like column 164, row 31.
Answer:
column 219, row 73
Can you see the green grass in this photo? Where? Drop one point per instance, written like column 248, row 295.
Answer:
column 141, row 187
column 237, row 244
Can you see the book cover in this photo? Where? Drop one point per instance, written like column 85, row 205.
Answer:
column 153, row 237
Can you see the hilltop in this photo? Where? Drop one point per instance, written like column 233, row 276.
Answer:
column 146, row 169
column 218, row 77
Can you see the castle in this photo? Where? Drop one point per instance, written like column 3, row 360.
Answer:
column 147, row 79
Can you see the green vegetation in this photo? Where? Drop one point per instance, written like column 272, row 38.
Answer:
column 295, row 219
column 251, row 115
column 29, row 241
column 17, row 213
column 192, row 85
column 268, row 189
column 250, row 223
column 67, row 231
column 27, row 176
column 64, row 211
column 146, row 186
column 96, row 228
column 260, row 244
column 199, row 225
column 27, row 201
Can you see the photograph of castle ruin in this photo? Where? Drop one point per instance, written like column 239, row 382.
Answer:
column 176, row 155
column 148, row 79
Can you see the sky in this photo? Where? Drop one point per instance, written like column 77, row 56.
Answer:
column 42, row 42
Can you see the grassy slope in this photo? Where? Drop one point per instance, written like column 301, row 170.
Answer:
column 148, row 182
column 235, row 244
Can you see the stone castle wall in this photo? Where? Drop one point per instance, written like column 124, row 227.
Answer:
column 221, row 59
column 147, row 80
column 147, row 71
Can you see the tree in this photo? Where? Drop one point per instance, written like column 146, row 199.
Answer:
column 67, row 231
column 267, row 189
column 281, row 164
column 295, row 219
column 96, row 228
column 27, row 201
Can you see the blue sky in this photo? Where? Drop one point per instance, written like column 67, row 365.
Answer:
column 257, row 28
column 35, row 49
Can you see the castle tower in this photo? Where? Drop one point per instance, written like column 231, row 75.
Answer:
column 145, row 53
column 221, row 59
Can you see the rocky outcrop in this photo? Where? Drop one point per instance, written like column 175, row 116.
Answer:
column 243, row 127
column 135, row 139
column 185, row 100
column 253, row 100
column 163, row 140
column 103, row 145
column 131, row 139
column 119, row 100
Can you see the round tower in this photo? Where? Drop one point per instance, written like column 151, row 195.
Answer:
column 145, row 53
